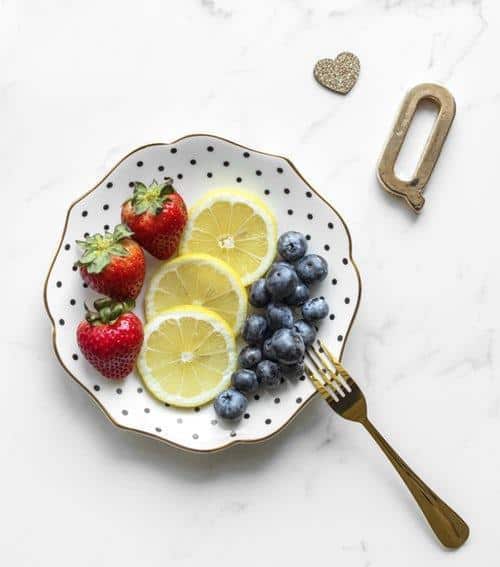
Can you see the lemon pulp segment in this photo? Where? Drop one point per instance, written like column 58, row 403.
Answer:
column 236, row 227
column 188, row 356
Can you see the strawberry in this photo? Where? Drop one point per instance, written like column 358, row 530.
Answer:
column 111, row 337
column 157, row 215
column 113, row 264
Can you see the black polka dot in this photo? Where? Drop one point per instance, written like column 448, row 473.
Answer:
column 347, row 300
column 334, row 281
column 258, row 172
column 266, row 191
column 74, row 267
column 124, row 412
column 290, row 211
column 97, row 387
column 299, row 400
column 140, row 163
column 302, row 378
column 146, row 410
column 268, row 421
column 345, row 261
column 247, row 416
column 209, row 174
column 256, row 397
column 86, row 235
column 179, row 420
column 339, row 338
column 286, row 190
column 173, row 150
column 195, row 435
column 72, row 301
column 332, row 317
column 279, row 170
column 238, row 180
column 131, row 184
column 197, row 409
column 277, row 400
column 308, row 194
column 308, row 237
column 158, row 429
column 109, row 185
column 67, row 246
column 74, row 356
column 161, row 168
column 61, row 322
column 84, row 213
column 166, row 405
column 214, row 422
column 85, row 285
column 210, row 148
column 119, row 391
column 105, row 207
column 246, row 154
column 309, row 216
column 326, row 247
column 58, row 284
column 193, row 162
column 106, row 227
column 139, row 390
column 233, row 434
column 330, row 225
column 226, row 164
column 282, row 380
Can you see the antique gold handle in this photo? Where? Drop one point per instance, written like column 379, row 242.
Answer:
column 448, row 526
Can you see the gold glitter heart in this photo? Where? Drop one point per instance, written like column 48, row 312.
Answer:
column 339, row 74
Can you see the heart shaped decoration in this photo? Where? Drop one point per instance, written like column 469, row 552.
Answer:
column 339, row 74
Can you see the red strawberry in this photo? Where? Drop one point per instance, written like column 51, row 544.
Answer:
column 111, row 338
column 157, row 215
column 113, row 264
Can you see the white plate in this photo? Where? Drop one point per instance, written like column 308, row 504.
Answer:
column 199, row 163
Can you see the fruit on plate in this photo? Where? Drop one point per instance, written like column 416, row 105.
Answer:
column 157, row 216
column 236, row 227
column 188, row 356
column 110, row 338
column 230, row 404
column 198, row 279
column 113, row 264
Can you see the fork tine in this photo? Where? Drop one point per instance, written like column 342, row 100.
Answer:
column 323, row 392
column 327, row 373
column 343, row 376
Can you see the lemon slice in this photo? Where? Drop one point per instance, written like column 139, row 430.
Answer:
column 198, row 279
column 236, row 227
column 188, row 356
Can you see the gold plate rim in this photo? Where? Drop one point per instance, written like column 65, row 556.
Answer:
column 233, row 442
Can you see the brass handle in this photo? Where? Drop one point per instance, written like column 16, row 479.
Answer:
column 448, row 526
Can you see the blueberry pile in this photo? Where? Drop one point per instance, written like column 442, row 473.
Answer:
column 278, row 337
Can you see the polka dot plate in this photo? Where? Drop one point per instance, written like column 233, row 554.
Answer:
column 198, row 163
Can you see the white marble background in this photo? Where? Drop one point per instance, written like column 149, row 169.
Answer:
column 84, row 82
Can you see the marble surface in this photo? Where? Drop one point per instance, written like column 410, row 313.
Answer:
column 83, row 83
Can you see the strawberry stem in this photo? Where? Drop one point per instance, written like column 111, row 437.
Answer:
column 108, row 311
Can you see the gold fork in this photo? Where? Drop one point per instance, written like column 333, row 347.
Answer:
column 345, row 397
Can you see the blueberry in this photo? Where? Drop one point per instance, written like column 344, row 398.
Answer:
column 230, row 404
column 315, row 309
column 268, row 350
column 249, row 356
column 292, row 371
column 312, row 268
column 292, row 245
column 299, row 295
column 279, row 316
column 306, row 331
column 281, row 281
column 259, row 296
column 255, row 329
column 245, row 380
column 288, row 346
column 268, row 373
column 278, row 265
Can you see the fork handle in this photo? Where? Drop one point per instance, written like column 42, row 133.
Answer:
column 448, row 526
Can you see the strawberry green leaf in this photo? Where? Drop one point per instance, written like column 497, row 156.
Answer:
column 99, row 249
column 153, row 198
